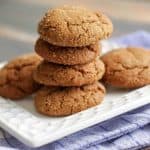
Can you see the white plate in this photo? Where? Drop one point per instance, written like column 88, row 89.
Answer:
column 22, row 121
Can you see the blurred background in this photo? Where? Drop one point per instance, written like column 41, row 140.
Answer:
column 19, row 18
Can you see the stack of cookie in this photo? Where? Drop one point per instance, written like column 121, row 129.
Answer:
column 69, row 44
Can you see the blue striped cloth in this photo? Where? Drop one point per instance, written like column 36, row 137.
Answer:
column 130, row 131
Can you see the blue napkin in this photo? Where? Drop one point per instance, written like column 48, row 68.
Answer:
column 129, row 131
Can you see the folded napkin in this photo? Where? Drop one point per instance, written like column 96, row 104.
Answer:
column 129, row 131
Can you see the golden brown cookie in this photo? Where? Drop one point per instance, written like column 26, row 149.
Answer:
column 127, row 67
column 16, row 80
column 61, row 75
column 74, row 26
column 62, row 101
column 67, row 55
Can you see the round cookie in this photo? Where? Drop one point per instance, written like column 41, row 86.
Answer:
column 62, row 101
column 61, row 75
column 16, row 80
column 74, row 26
column 127, row 67
column 67, row 55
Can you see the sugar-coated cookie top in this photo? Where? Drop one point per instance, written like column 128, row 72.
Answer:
column 74, row 26
column 67, row 55
column 16, row 80
column 62, row 101
column 127, row 67
column 63, row 75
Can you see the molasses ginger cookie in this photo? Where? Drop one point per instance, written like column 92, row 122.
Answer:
column 67, row 55
column 62, row 75
column 71, row 26
column 16, row 80
column 127, row 67
column 62, row 101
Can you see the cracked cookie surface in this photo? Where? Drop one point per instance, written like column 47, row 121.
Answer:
column 127, row 67
column 74, row 26
column 62, row 101
column 16, row 80
column 63, row 75
column 67, row 55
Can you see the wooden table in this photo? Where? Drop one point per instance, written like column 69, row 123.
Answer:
column 19, row 18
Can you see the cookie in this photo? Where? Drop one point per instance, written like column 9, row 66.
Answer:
column 74, row 26
column 62, row 101
column 61, row 75
column 127, row 67
column 16, row 80
column 67, row 55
